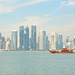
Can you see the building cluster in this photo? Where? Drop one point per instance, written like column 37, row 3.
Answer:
column 29, row 40
column 2, row 42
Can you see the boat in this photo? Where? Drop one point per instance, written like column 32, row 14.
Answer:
column 64, row 50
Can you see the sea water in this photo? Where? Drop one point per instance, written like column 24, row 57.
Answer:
column 36, row 63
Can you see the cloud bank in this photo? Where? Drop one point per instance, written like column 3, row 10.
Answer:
column 7, row 6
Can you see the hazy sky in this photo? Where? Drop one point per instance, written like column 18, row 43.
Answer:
column 49, row 15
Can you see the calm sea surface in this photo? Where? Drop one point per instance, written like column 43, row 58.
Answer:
column 36, row 63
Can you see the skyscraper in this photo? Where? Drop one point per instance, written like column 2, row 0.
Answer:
column 24, row 43
column 70, row 44
column 60, row 42
column 54, row 41
column 42, row 40
column 21, row 37
column 14, row 40
column 30, row 43
column 26, row 38
column 47, row 43
column 74, row 42
column 67, row 40
column 0, row 36
column 2, row 42
column 37, row 44
column 8, row 44
column 33, row 37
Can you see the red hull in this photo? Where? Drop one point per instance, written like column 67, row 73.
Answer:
column 64, row 50
column 61, row 51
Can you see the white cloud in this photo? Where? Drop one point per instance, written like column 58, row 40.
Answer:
column 4, row 9
column 4, row 0
column 47, row 15
column 71, row 15
column 29, row 3
column 37, row 20
column 8, row 6
column 66, row 3
column 71, row 3
column 62, row 4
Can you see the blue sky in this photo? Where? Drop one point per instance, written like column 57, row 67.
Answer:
column 49, row 15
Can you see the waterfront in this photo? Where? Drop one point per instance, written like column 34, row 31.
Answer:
column 36, row 63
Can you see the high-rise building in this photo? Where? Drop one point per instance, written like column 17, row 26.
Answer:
column 14, row 40
column 33, row 37
column 47, row 43
column 0, row 41
column 67, row 40
column 21, row 37
column 0, row 36
column 42, row 40
column 26, row 38
column 8, row 44
column 74, row 43
column 30, row 43
column 0, row 44
column 37, row 44
column 60, row 42
column 70, row 44
column 3, row 42
column 54, row 41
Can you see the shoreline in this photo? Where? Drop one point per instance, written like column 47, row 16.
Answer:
column 24, row 51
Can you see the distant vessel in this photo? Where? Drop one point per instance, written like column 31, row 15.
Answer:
column 64, row 50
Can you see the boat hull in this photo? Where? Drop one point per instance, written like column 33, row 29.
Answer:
column 60, row 51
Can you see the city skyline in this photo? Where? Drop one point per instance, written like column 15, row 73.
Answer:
column 20, row 40
column 49, row 15
column 37, row 37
